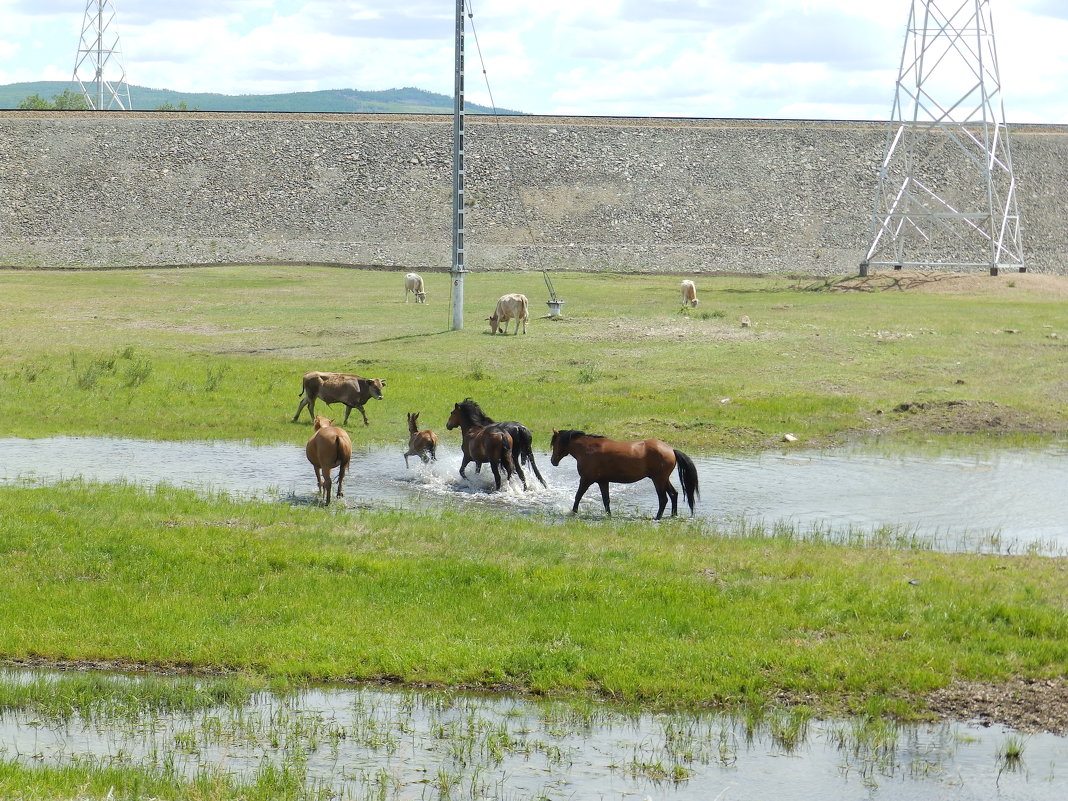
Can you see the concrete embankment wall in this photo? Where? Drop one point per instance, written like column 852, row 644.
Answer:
column 118, row 189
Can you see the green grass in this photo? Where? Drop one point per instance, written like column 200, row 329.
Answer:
column 661, row 615
column 212, row 353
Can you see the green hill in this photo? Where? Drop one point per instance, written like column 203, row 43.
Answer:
column 389, row 101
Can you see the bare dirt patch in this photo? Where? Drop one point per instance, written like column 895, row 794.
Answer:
column 1050, row 286
column 964, row 417
column 1027, row 706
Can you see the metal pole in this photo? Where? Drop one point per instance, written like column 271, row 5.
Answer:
column 457, row 271
column 100, row 54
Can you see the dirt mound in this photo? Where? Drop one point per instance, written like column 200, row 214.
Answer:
column 1027, row 706
column 1050, row 286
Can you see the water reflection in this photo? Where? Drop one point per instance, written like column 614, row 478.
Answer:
column 380, row 743
column 1002, row 500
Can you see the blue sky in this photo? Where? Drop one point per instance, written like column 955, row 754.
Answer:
column 820, row 59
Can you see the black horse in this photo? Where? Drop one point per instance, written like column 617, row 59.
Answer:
column 522, row 439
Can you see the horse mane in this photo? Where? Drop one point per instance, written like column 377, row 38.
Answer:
column 474, row 413
column 565, row 437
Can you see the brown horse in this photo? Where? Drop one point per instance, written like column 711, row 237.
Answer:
column 329, row 447
column 602, row 461
column 423, row 444
column 522, row 439
column 483, row 442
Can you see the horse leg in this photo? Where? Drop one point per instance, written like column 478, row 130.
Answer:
column 318, row 481
column 496, row 474
column 584, row 484
column 327, row 484
column 340, row 478
column 604, row 497
column 463, row 465
column 674, row 495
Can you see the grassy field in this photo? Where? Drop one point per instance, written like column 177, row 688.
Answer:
column 218, row 352
column 661, row 615
column 674, row 614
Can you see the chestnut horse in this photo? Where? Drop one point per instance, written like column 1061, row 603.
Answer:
column 329, row 447
column 602, row 461
column 423, row 444
column 483, row 442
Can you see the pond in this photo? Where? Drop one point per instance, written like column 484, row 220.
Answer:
column 369, row 742
column 997, row 501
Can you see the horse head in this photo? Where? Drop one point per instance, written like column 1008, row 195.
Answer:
column 454, row 419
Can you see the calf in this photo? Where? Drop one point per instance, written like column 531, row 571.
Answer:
column 351, row 390
column 413, row 282
column 689, row 293
column 509, row 307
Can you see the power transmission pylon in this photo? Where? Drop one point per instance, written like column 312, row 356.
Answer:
column 98, row 67
column 947, row 194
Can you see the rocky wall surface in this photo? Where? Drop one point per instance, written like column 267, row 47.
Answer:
column 127, row 189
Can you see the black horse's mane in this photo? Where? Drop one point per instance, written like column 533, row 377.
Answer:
column 473, row 412
column 565, row 437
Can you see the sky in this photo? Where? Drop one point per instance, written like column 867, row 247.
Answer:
column 793, row 59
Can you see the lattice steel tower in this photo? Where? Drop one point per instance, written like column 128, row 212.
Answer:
column 946, row 195
column 98, row 68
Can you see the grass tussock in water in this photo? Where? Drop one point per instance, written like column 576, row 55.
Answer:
column 668, row 614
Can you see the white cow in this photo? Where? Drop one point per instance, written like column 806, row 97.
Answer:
column 689, row 293
column 413, row 282
column 509, row 307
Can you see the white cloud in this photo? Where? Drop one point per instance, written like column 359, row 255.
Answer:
column 836, row 58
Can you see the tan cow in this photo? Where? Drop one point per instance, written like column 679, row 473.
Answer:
column 351, row 390
column 329, row 447
column 509, row 307
column 413, row 282
column 689, row 293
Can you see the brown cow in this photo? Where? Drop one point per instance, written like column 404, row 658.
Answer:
column 329, row 447
column 351, row 390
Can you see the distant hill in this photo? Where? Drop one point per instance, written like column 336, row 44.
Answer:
column 389, row 101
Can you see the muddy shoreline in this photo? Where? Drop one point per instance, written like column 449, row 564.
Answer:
column 1025, row 705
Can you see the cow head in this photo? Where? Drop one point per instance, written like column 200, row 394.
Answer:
column 494, row 321
column 373, row 386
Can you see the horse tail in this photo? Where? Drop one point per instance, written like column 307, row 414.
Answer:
column 523, row 441
column 687, row 478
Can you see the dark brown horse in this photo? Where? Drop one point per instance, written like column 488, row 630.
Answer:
column 522, row 439
column 483, row 442
column 603, row 461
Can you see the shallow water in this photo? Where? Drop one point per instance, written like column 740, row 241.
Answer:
column 381, row 743
column 1000, row 500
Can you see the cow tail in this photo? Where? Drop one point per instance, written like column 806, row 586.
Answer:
column 687, row 479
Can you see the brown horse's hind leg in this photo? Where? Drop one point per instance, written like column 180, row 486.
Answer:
column 340, row 478
column 604, row 497
column 496, row 474
column 328, row 484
